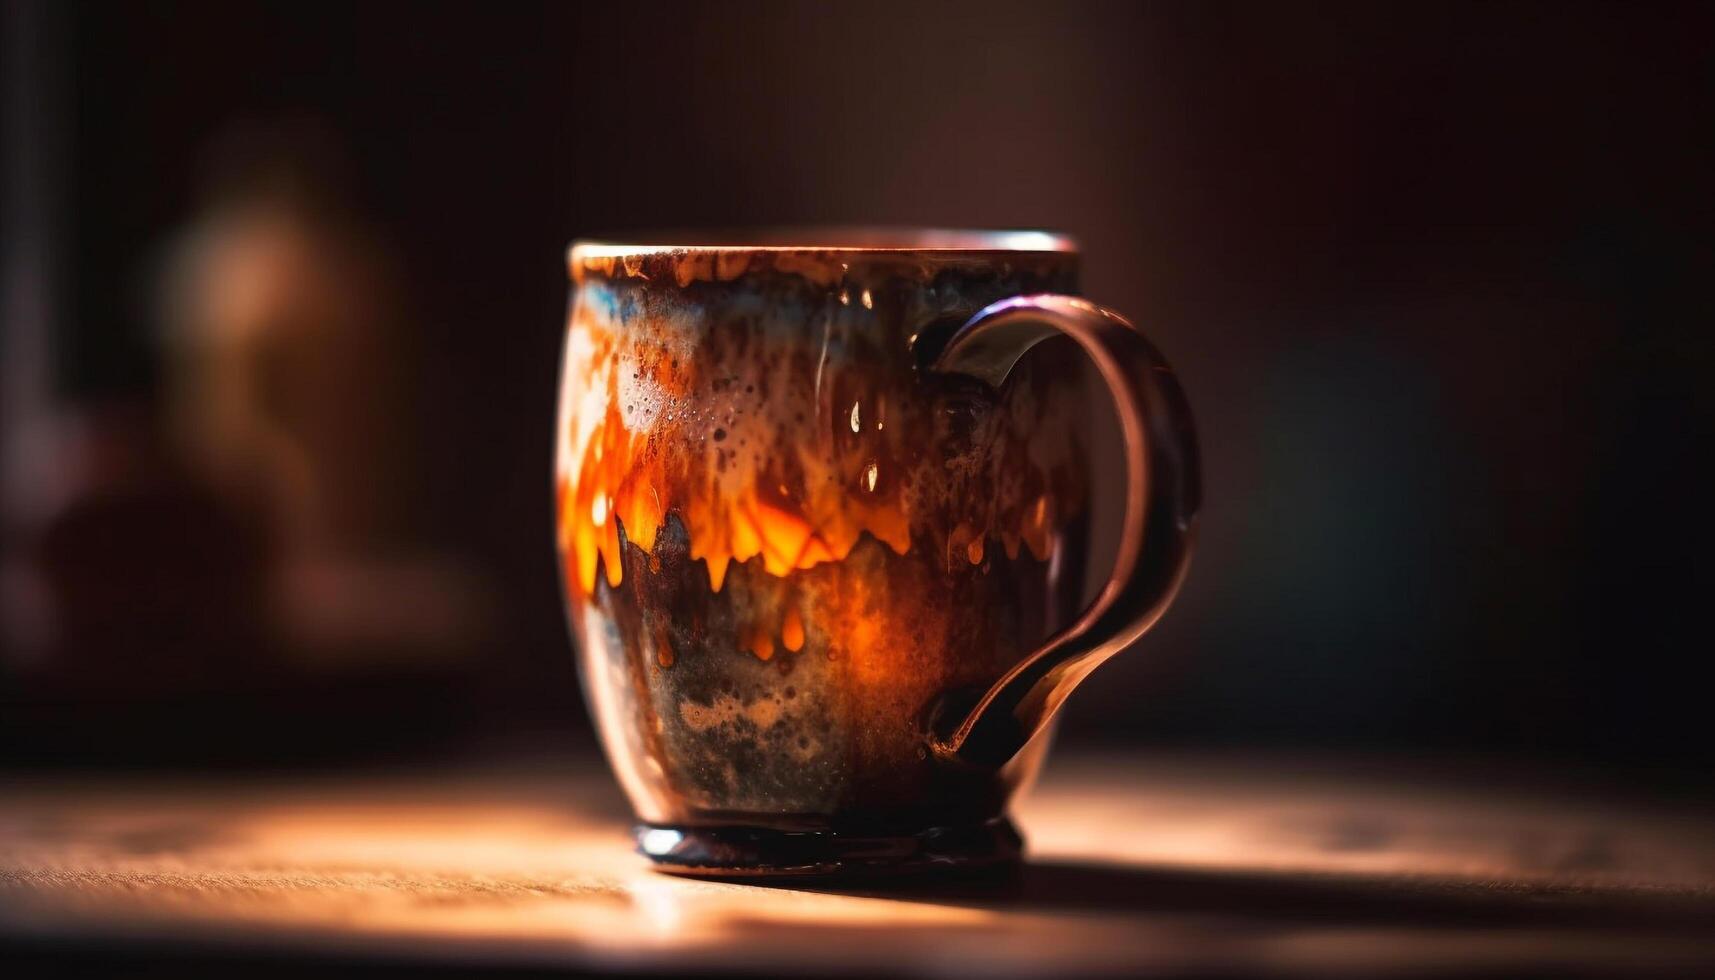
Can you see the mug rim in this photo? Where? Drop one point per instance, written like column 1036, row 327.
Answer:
column 856, row 239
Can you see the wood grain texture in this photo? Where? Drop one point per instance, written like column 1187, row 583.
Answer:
column 1160, row 864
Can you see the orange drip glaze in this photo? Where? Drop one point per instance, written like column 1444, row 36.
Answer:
column 783, row 538
column 763, row 456
column 758, row 641
column 792, row 630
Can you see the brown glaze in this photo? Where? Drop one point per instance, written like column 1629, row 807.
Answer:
column 783, row 540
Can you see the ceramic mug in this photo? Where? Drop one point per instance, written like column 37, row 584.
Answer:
column 822, row 526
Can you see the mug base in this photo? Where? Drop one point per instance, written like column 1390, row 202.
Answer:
column 747, row 852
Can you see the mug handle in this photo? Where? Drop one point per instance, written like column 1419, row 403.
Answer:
column 1163, row 492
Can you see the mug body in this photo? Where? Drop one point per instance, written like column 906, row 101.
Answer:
column 784, row 542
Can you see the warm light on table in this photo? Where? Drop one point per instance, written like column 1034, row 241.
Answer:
column 1152, row 863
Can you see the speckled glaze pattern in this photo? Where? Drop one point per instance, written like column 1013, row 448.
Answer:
column 783, row 540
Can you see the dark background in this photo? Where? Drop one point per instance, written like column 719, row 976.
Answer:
column 1433, row 277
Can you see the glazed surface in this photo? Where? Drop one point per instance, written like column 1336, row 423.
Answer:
column 783, row 541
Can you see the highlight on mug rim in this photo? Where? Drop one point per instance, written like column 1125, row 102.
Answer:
column 856, row 239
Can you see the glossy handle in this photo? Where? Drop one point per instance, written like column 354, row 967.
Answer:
column 1163, row 492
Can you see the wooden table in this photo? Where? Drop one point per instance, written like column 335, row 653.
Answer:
column 1167, row 864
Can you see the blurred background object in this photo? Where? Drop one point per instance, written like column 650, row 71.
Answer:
column 288, row 374
column 284, row 292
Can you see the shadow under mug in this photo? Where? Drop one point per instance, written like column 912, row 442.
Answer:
column 823, row 527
